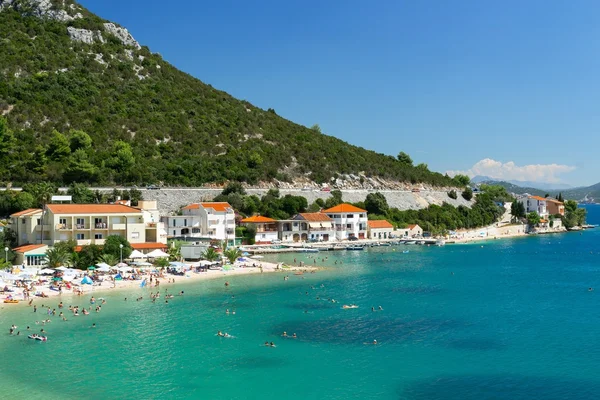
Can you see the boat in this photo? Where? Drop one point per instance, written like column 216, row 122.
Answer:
column 355, row 248
column 405, row 252
column 440, row 242
column 347, row 307
column 410, row 242
column 385, row 244
column 38, row 337
column 11, row 301
column 309, row 250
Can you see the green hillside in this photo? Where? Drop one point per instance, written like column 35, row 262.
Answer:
column 105, row 112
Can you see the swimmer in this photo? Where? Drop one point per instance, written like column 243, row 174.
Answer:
column 380, row 308
column 284, row 334
column 294, row 336
column 372, row 308
column 272, row 344
column 227, row 311
column 93, row 325
column 220, row 334
column 590, row 289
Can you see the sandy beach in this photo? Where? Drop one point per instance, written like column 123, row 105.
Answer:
column 165, row 280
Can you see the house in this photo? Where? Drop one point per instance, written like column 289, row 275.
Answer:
column 208, row 220
column 149, row 247
column 534, row 204
column 31, row 255
column 555, row 207
column 88, row 224
column 380, row 229
column 412, row 230
column 266, row 228
column 348, row 221
column 316, row 227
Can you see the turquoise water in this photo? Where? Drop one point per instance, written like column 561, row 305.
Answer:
column 510, row 320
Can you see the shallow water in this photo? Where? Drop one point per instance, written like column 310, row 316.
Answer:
column 510, row 320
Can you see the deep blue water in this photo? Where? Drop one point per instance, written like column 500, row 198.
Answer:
column 503, row 319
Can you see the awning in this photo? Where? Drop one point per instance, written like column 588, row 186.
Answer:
column 319, row 224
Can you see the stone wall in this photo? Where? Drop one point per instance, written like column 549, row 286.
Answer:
column 170, row 200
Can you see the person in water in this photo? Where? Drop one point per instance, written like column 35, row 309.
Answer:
column 294, row 336
column 284, row 334
column 272, row 344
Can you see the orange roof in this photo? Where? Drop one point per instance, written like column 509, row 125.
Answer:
column 344, row 208
column 148, row 245
column 543, row 221
column 538, row 198
column 379, row 224
column 217, row 206
column 257, row 219
column 413, row 226
column 28, row 247
column 26, row 212
column 92, row 209
column 555, row 201
column 315, row 217
column 193, row 206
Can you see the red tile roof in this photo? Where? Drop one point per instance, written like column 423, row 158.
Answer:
column 217, row 206
column 258, row 219
column 342, row 208
column 148, row 245
column 555, row 201
column 379, row 224
column 538, row 198
column 28, row 247
column 412, row 226
column 193, row 206
column 26, row 212
column 92, row 209
column 315, row 217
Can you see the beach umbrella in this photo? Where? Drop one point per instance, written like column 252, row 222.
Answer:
column 157, row 254
column 124, row 269
column 245, row 254
column 91, row 268
column 137, row 254
column 62, row 268
column 86, row 280
column 102, row 265
column 57, row 279
column 121, row 264
column 46, row 271
column 104, row 268
column 9, row 277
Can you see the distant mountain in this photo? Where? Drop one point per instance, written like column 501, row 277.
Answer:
column 582, row 194
column 516, row 189
column 525, row 184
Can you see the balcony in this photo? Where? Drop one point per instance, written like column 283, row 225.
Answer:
column 101, row 225
column 82, row 227
column 118, row 227
column 63, row 227
column 266, row 230
column 151, row 224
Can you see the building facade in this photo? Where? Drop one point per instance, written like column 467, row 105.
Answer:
column 555, row 207
column 535, row 204
column 380, row 229
column 207, row 220
column 266, row 228
column 348, row 221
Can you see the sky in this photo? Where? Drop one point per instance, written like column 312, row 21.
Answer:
column 505, row 89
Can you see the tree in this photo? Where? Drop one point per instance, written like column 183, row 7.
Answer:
column 405, row 159
column 79, row 140
column 87, row 256
column 80, row 168
column 452, row 194
column 57, row 258
column 316, row 128
column 462, row 180
column 533, row 218
column 422, row 167
column 59, row 148
column 233, row 187
column 80, row 193
column 112, row 246
column 335, row 199
column 232, row 254
column 376, row 203
column 108, row 259
column 517, row 210
column 251, row 234
column 211, row 254
column 7, row 139
column 161, row 262
column 122, row 158
column 467, row 194
column 175, row 251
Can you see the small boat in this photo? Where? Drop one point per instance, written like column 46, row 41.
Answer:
column 355, row 248
column 347, row 307
column 440, row 243
column 385, row 244
column 410, row 242
column 405, row 252
column 11, row 301
column 38, row 337
column 309, row 250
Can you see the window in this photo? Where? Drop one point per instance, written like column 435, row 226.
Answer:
column 174, row 224
column 185, row 222
column 350, row 216
column 348, row 226
column 195, row 230
column 98, row 220
column 80, row 236
column 80, row 222
column 23, row 221
column 185, row 231
column 39, row 221
column 62, row 221
column 174, row 233
column 98, row 236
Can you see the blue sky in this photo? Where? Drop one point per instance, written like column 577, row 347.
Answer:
column 500, row 88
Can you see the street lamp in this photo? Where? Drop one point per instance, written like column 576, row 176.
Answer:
column 6, row 255
column 121, row 247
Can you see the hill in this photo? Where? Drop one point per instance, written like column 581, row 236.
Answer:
column 525, row 184
column 84, row 102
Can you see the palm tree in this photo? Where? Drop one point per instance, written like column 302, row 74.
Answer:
column 57, row 257
column 232, row 254
column 175, row 251
column 109, row 259
column 211, row 254
column 161, row 262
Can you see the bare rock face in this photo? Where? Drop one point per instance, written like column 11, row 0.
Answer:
column 122, row 34
column 41, row 9
column 85, row 35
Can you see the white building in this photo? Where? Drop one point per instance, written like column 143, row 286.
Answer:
column 535, row 204
column 208, row 220
column 348, row 221
column 380, row 229
column 266, row 228
column 412, row 230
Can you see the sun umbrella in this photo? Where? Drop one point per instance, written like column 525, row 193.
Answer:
column 57, row 279
column 125, row 269
column 137, row 254
column 104, row 268
column 46, row 271
column 91, row 268
column 157, row 254
column 121, row 264
column 61, row 268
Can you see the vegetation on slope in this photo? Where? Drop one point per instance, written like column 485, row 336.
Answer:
column 106, row 113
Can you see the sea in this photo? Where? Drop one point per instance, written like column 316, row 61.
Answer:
column 502, row 319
